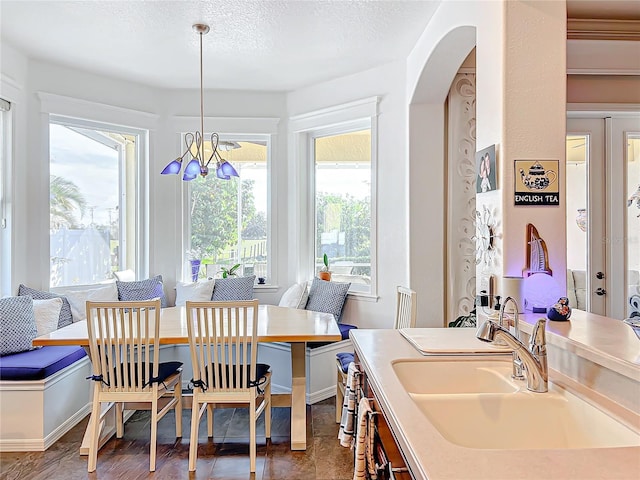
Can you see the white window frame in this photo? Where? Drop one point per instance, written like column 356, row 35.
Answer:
column 141, row 200
column 272, row 280
column 339, row 119
column 5, row 200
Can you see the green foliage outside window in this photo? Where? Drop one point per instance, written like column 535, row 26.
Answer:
column 214, row 211
column 348, row 215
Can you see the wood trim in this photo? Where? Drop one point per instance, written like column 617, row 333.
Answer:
column 602, row 29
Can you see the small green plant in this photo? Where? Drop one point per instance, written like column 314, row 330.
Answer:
column 325, row 259
column 230, row 272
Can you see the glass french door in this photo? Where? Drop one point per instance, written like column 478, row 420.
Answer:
column 603, row 208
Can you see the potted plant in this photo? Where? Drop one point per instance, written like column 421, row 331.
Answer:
column 325, row 273
column 230, row 272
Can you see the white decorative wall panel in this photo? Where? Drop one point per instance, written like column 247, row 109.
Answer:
column 461, row 255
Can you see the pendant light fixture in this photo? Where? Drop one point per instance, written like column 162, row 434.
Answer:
column 198, row 165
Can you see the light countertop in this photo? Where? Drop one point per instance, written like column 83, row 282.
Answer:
column 605, row 341
column 430, row 456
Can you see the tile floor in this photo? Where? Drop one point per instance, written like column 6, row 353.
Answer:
column 226, row 459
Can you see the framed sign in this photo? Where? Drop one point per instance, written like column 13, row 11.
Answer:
column 486, row 170
column 536, row 182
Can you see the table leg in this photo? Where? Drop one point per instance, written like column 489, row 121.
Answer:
column 298, row 397
column 107, row 427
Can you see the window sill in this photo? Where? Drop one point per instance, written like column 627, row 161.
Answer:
column 363, row 297
column 266, row 287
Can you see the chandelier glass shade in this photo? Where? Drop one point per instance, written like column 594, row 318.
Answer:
column 194, row 142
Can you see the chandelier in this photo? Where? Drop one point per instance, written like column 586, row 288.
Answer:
column 195, row 144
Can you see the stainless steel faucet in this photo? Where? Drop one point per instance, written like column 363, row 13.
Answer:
column 517, row 362
column 534, row 358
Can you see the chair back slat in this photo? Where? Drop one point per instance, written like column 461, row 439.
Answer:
column 124, row 344
column 405, row 308
column 223, row 343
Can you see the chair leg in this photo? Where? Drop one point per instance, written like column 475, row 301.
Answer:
column 267, row 410
column 154, row 434
column 210, row 420
column 119, row 419
column 94, row 433
column 252, row 435
column 177, row 393
column 339, row 397
column 193, row 441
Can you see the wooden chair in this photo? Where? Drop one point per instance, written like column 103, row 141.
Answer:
column 124, row 347
column 223, row 345
column 405, row 318
column 405, row 308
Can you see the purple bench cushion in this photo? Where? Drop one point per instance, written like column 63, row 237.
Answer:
column 344, row 330
column 40, row 363
column 345, row 359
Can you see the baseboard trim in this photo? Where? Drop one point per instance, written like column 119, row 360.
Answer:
column 71, row 422
column 318, row 396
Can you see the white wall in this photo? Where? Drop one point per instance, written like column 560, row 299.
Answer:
column 386, row 81
column 138, row 106
column 164, row 111
column 520, row 107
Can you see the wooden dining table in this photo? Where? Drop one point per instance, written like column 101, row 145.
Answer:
column 275, row 324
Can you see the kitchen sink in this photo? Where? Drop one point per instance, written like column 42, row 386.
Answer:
column 462, row 375
column 523, row 420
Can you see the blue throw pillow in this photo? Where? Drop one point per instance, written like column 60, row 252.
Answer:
column 17, row 324
column 65, row 313
column 142, row 290
column 327, row 297
column 233, row 288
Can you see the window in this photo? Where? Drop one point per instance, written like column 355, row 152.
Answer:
column 342, row 179
column 94, row 202
column 334, row 179
column 229, row 219
column 5, row 154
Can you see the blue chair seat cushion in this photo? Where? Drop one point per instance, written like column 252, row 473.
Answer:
column 165, row 370
column 39, row 364
column 344, row 330
column 261, row 371
column 345, row 359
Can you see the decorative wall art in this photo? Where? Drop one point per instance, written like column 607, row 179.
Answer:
column 537, row 255
column 485, row 237
column 536, row 182
column 486, row 170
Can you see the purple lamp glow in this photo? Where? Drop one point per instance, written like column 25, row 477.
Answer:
column 228, row 169
column 173, row 167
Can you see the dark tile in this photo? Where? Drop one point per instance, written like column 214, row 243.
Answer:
column 226, row 457
column 237, row 468
column 323, row 418
column 333, row 461
column 280, row 422
column 284, row 464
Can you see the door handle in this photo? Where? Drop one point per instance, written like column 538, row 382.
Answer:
column 600, row 291
column 600, row 275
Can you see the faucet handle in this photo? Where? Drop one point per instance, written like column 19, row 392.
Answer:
column 538, row 340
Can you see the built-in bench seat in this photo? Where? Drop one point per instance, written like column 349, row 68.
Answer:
column 39, row 363
column 43, row 394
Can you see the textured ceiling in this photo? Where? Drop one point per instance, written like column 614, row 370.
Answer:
column 254, row 45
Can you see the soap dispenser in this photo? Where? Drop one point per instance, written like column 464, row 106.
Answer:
column 495, row 313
